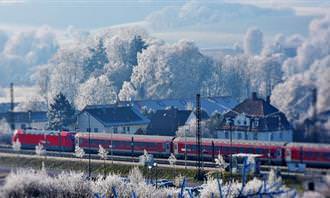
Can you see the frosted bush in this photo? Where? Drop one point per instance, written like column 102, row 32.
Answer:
column 72, row 184
column 104, row 186
column 27, row 183
column 30, row 183
column 135, row 176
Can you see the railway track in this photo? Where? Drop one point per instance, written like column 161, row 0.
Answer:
column 189, row 164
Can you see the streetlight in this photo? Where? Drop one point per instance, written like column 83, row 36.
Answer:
column 155, row 165
column 89, row 147
column 185, row 146
column 110, row 147
column 231, row 147
column 149, row 170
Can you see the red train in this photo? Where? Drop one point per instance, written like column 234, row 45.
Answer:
column 52, row 140
column 316, row 155
column 123, row 144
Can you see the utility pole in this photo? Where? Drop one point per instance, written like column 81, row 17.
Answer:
column 200, row 174
column 12, row 119
column 89, row 147
column 231, row 148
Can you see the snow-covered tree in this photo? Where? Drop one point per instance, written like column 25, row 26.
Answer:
column 17, row 145
column 40, row 150
column 169, row 64
column 99, row 90
column 103, row 153
column 60, row 113
column 97, row 60
column 253, row 41
column 79, row 152
column 220, row 162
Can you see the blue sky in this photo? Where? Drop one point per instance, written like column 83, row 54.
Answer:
column 209, row 23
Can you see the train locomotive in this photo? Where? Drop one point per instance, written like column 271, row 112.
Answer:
column 280, row 153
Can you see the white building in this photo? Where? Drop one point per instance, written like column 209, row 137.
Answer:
column 255, row 119
column 111, row 119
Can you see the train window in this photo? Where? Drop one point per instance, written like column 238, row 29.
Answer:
column 309, row 154
column 241, row 150
column 226, row 135
column 115, row 130
column 255, row 136
column 260, row 150
column 239, row 136
column 225, row 149
column 96, row 130
column 326, row 156
column 128, row 129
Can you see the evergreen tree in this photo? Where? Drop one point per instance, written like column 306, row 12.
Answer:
column 61, row 113
column 136, row 46
column 97, row 60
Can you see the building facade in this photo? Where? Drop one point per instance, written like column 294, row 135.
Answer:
column 111, row 119
column 23, row 120
column 255, row 119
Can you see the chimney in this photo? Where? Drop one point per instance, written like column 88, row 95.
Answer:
column 254, row 95
column 268, row 99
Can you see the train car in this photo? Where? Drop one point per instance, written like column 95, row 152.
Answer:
column 313, row 155
column 272, row 152
column 125, row 144
column 52, row 140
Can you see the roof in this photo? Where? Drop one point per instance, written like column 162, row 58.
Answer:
column 219, row 104
column 26, row 117
column 166, row 122
column 5, row 107
column 253, row 107
column 270, row 118
column 112, row 115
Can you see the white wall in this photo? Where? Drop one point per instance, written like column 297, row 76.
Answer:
column 285, row 135
column 83, row 125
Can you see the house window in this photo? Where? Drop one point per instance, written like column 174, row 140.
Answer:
column 226, row 135
column 96, row 130
column 239, row 136
column 115, row 130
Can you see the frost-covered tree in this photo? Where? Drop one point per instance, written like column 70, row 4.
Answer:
column 66, row 71
column 60, row 113
column 17, row 145
column 123, row 54
column 253, row 41
column 304, row 72
column 97, row 60
column 167, row 71
column 99, row 90
column 79, row 152
column 103, row 154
